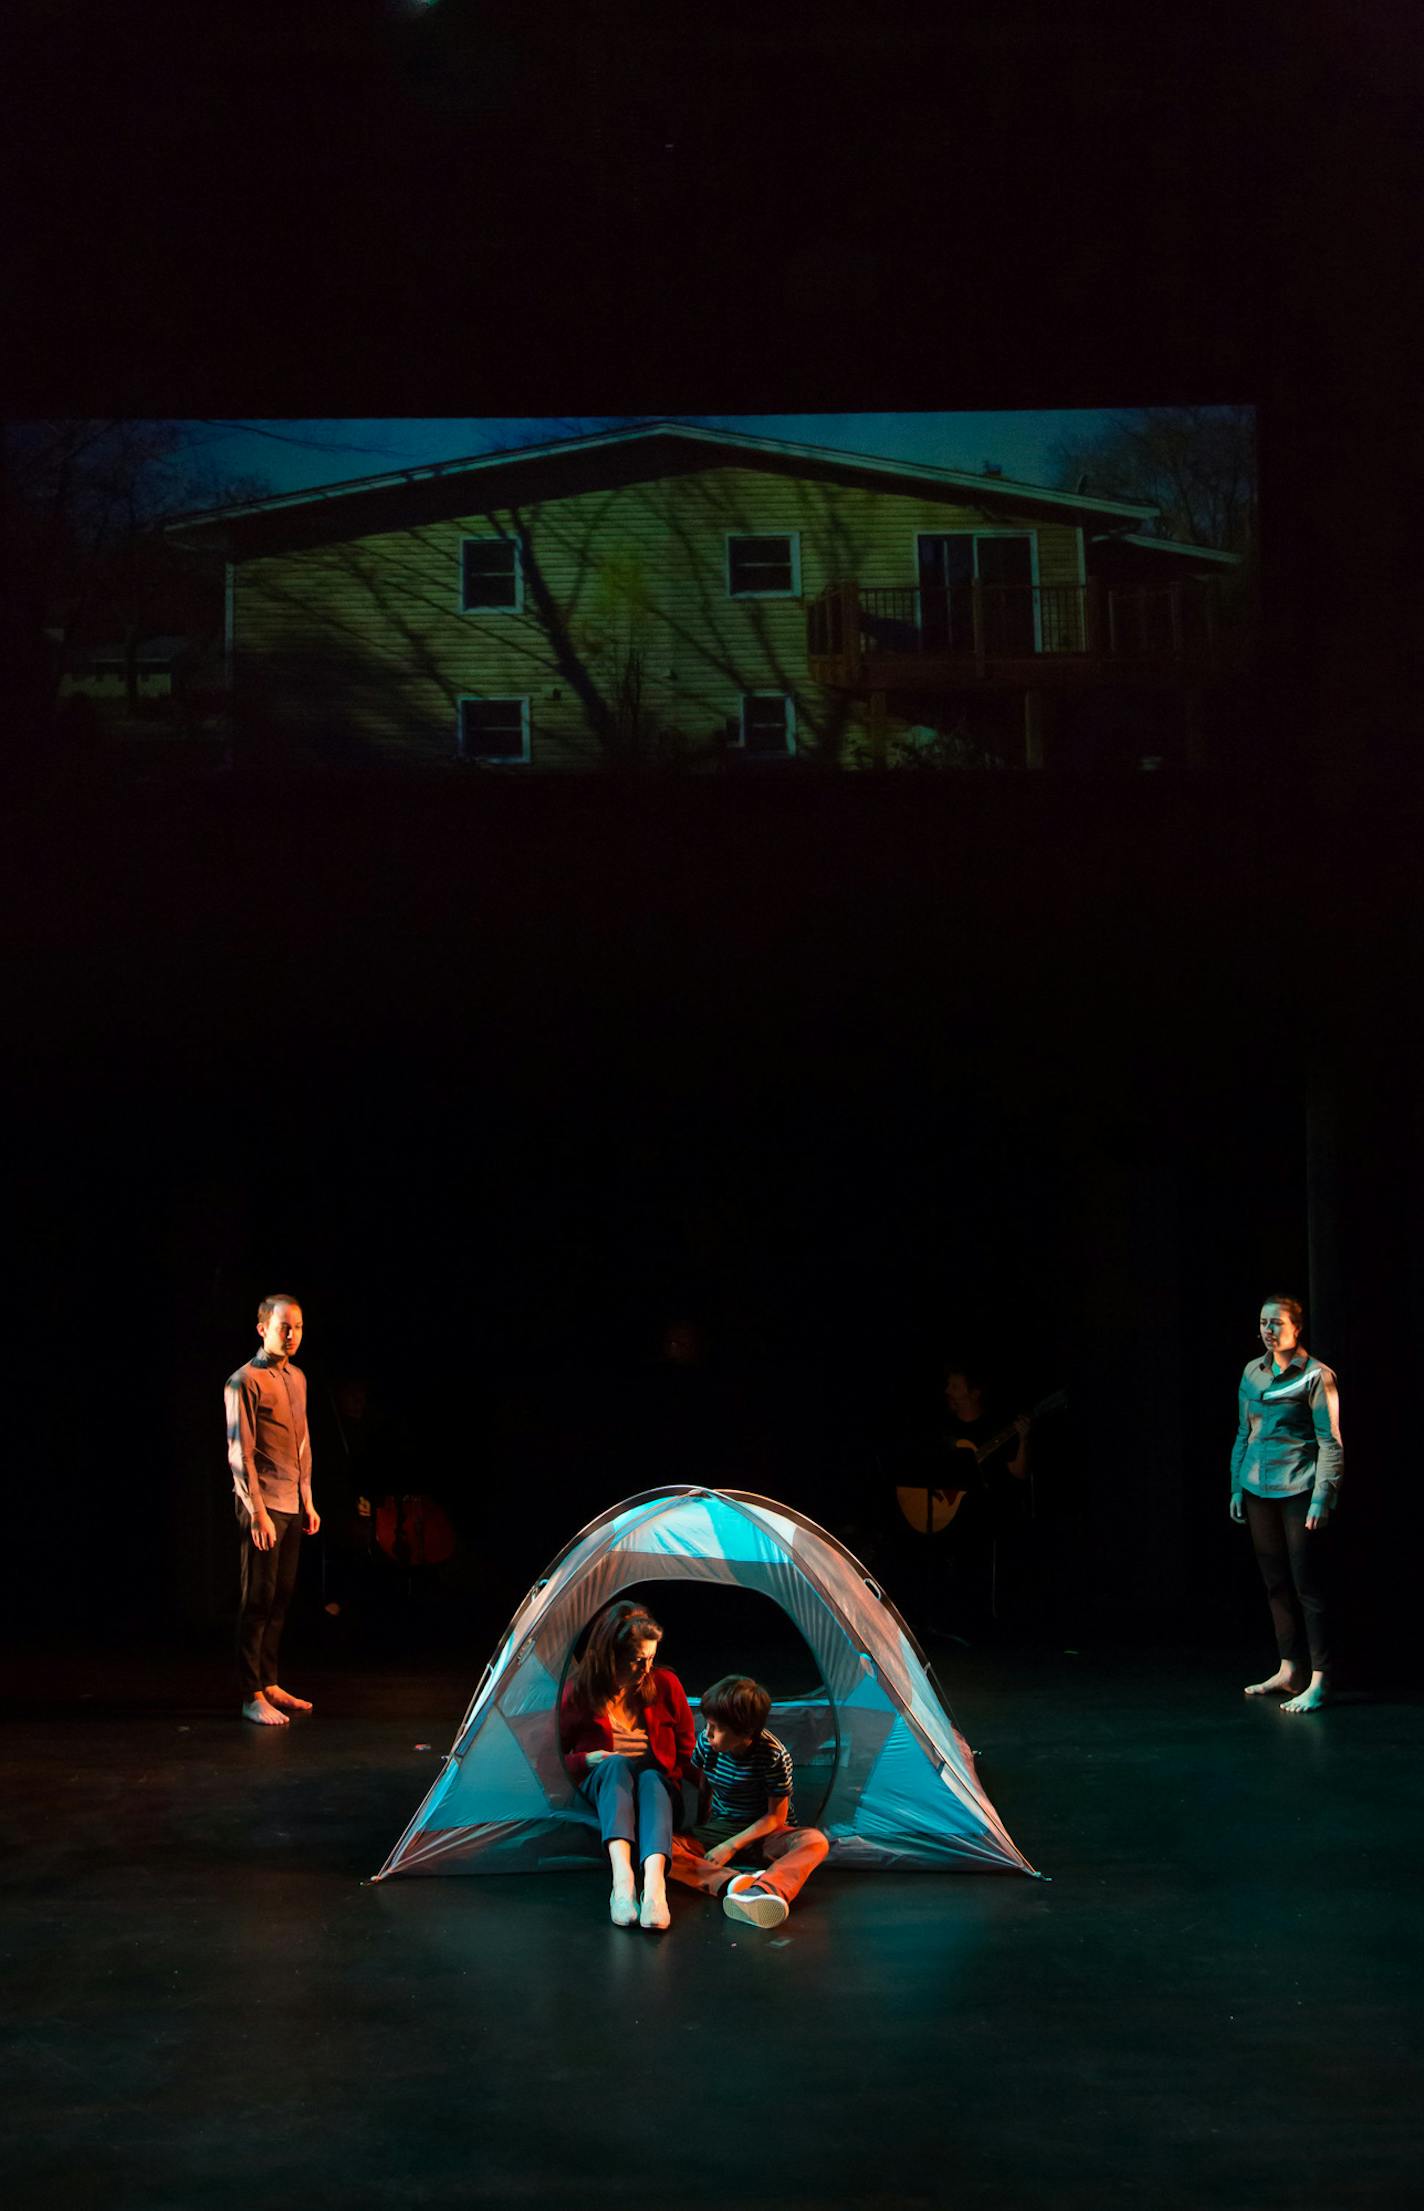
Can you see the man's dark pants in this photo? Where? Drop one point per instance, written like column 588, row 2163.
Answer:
column 268, row 1579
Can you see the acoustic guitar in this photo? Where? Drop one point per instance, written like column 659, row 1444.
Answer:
column 930, row 1510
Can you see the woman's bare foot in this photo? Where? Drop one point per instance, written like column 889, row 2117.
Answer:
column 653, row 1911
column 1310, row 1699
column 284, row 1702
column 266, row 1715
column 1282, row 1682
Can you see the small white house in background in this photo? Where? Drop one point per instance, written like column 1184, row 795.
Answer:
column 99, row 672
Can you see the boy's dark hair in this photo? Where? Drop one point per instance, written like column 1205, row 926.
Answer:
column 738, row 1703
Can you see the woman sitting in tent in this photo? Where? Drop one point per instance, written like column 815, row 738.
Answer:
column 627, row 1736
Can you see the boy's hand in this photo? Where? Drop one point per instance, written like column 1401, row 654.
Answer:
column 723, row 1855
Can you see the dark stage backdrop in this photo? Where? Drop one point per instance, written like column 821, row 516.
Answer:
column 503, row 1081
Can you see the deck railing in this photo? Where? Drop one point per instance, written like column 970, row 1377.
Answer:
column 850, row 623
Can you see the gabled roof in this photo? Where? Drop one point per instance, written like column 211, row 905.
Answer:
column 674, row 434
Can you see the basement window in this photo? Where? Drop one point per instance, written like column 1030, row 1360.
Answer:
column 766, row 724
column 494, row 731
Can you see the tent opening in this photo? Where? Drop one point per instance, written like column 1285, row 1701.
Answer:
column 711, row 1629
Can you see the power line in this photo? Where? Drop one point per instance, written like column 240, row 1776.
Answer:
column 311, row 445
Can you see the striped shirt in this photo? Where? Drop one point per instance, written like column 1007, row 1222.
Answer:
column 744, row 1788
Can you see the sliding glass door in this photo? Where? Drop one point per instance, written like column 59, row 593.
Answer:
column 949, row 566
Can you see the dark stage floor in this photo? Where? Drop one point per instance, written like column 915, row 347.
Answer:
column 1214, row 2001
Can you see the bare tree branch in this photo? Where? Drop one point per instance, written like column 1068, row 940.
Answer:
column 1196, row 465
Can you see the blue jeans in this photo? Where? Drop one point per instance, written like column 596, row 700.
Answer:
column 614, row 1788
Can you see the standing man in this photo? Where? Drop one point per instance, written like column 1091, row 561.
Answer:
column 1285, row 1480
column 269, row 1452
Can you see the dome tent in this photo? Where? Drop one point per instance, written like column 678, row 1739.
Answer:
column 894, row 1778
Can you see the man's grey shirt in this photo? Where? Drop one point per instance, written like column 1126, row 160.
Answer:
column 1288, row 1432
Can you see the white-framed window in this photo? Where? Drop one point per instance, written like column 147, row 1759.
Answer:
column 491, row 576
column 494, row 732
column 764, row 567
column 766, row 724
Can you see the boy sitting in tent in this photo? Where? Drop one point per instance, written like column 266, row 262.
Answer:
column 747, row 1803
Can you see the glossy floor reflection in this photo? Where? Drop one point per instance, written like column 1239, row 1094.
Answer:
column 1214, row 2001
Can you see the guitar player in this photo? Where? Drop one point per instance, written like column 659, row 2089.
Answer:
column 951, row 1562
column 966, row 1420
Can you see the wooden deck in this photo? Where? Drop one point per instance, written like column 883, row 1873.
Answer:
column 1012, row 637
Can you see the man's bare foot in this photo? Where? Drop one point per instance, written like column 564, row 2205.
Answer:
column 284, row 1702
column 266, row 1715
column 1282, row 1682
column 1310, row 1699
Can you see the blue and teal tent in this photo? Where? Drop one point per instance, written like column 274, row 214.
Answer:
column 880, row 1766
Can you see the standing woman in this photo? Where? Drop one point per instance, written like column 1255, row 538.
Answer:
column 628, row 1738
column 1285, row 1480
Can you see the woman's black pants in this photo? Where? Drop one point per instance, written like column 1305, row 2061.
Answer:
column 1289, row 1558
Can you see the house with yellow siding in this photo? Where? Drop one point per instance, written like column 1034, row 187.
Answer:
column 693, row 597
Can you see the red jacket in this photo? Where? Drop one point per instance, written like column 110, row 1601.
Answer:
column 672, row 1732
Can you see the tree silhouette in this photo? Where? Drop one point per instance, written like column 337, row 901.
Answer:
column 85, row 506
column 1196, row 465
